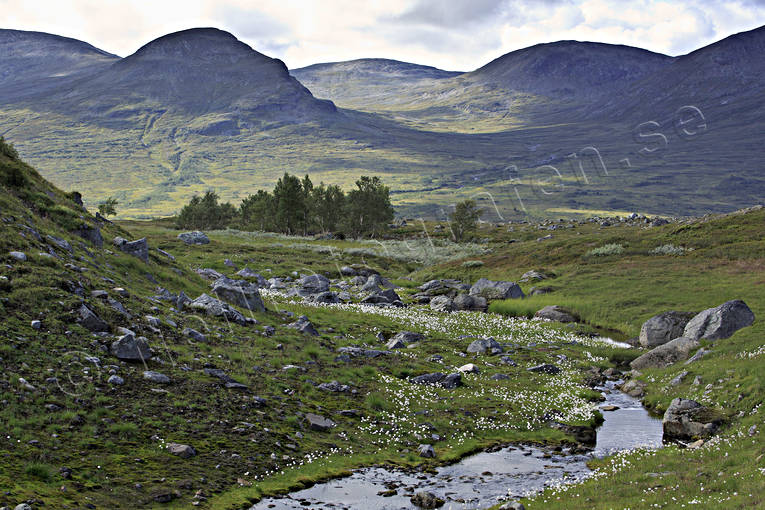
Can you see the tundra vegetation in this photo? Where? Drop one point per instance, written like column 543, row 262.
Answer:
column 235, row 401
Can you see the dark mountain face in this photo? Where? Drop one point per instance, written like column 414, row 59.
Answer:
column 725, row 76
column 193, row 72
column 34, row 62
column 570, row 69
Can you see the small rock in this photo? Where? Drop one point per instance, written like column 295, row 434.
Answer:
column 21, row 257
column 115, row 380
column 156, row 377
column 426, row 500
column 181, row 450
column 36, row 325
column 195, row 237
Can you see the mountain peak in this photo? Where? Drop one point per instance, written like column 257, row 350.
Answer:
column 200, row 43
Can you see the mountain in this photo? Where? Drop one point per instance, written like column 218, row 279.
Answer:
column 194, row 72
column 726, row 75
column 570, row 69
column 199, row 109
column 34, row 62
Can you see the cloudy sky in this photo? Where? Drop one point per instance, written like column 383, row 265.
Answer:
column 450, row 34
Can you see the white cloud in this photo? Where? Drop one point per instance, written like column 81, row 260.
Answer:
column 459, row 34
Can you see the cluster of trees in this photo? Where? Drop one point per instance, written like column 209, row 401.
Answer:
column 296, row 206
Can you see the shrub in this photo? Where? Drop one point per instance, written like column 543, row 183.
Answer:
column 604, row 251
column 669, row 249
column 7, row 149
column 39, row 470
column 472, row 263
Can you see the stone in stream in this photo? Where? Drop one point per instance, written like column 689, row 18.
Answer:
column 664, row 355
column 719, row 322
column 662, row 328
column 426, row 451
column 512, row 505
column 426, row 500
column 689, row 420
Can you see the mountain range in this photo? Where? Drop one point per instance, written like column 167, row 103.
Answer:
column 559, row 128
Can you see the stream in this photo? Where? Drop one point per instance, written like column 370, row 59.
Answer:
column 486, row 478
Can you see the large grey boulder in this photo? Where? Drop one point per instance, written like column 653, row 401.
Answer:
column 138, row 249
column 442, row 304
column 239, row 292
column 484, row 345
column 665, row 355
column 130, row 348
column 90, row 321
column 496, row 290
column 328, row 298
column 720, row 322
column 92, row 234
column 383, row 297
column 556, row 313
column 217, row 308
column 688, row 420
column 312, row 284
column 304, row 326
column 448, row 382
column 662, row 328
column 469, row 303
column 260, row 281
column 195, row 237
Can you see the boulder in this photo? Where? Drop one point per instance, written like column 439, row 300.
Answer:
column 92, row 234
column 217, row 308
column 312, row 284
column 556, row 313
column 719, row 322
column 426, row 500
column 664, row 355
column 115, row 380
column 660, row 329
column 90, row 321
column 334, row 387
column 328, row 298
column 156, row 377
column 260, row 281
column 210, row 274
column 194, row 335
column 496, row 290
column 304, row 326
column 426, row 451
column 239, row 292
column 383, row 297
column 533, row 276
column 130, row 348
column 60, row 243
column 484, row 346
column 20, row 256
column 546, row 368
column 195, row 237
column 318, row 423
column 408, row 337
column 442, row 304
column 138, row 249
column 581, row 433
column 451, row 381
column 469, row 368
column 689, row 420
column 469, row 303
column 183, row 451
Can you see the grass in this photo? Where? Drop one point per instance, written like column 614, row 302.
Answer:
column 113, row 437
